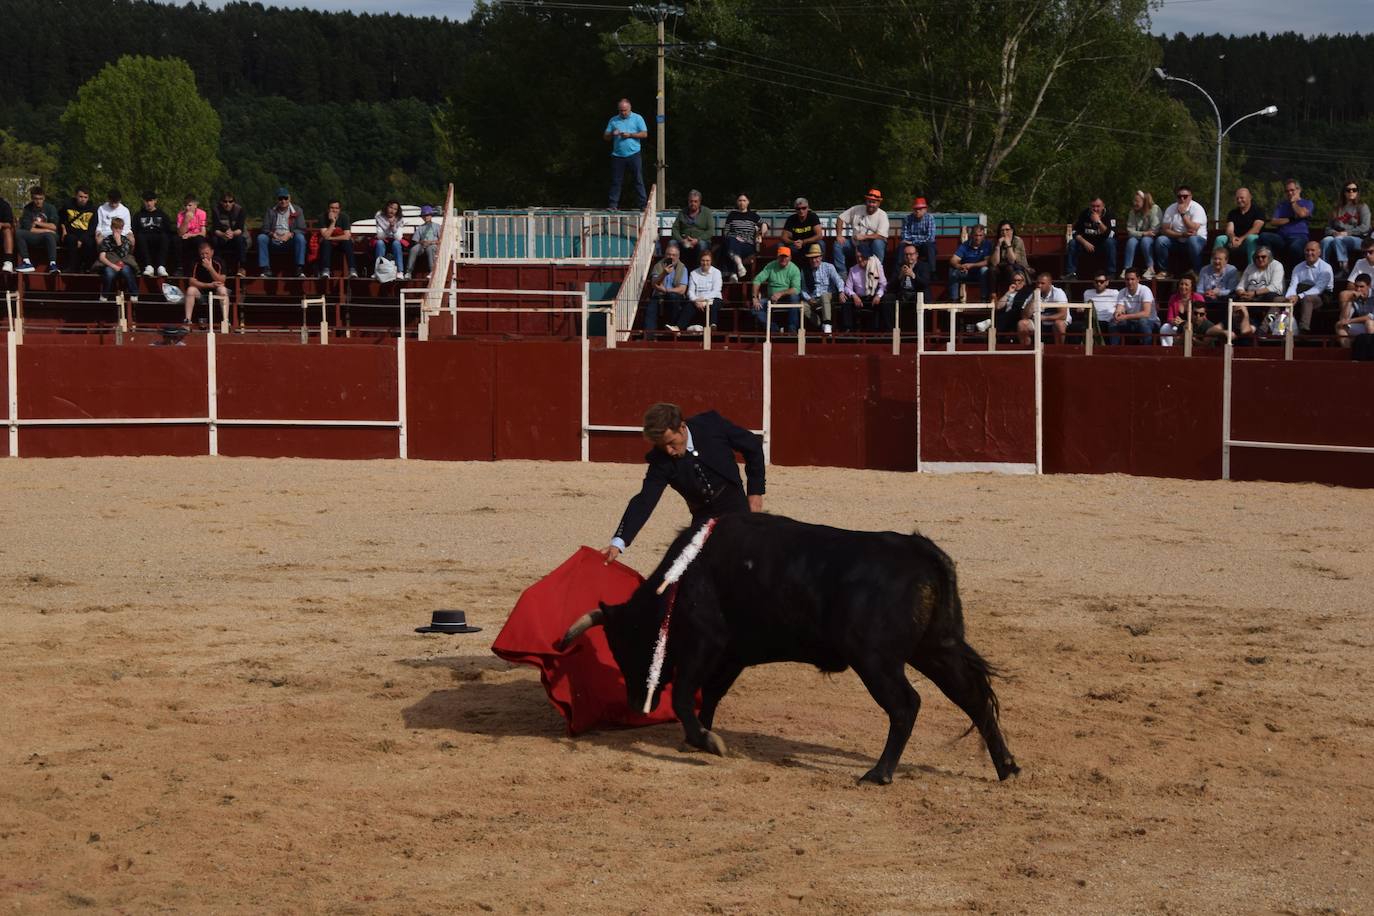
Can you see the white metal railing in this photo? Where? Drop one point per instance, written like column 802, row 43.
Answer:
column 211, row 419
column 550, row 236
column 1037, row 351
column 449, row 305
column 444, row 271
column 307, row 304
column 1228, row 442
column 12, row 388
column 627, row 300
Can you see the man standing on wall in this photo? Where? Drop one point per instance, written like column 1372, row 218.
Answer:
column 624, row 131
column 696, row 457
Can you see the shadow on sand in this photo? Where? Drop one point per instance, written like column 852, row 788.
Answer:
column 520, row 708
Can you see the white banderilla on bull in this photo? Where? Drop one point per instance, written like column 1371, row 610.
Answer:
column 675, row 571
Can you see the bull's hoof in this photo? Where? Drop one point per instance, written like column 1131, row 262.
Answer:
column 714, row 743
column 1008, row 769
column 710, row 742
column 877, row 777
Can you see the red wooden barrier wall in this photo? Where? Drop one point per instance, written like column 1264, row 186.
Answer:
column 1322, row 402
column 451, row 400
column 484, row 400
column 978, row 408
column 1150, row 416
column 111, row 382
column 625, row 381
column 270, row 381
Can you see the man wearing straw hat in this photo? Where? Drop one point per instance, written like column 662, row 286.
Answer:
column 696, row 457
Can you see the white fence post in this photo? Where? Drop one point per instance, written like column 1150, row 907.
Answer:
column 212, row 389
column 12, row 383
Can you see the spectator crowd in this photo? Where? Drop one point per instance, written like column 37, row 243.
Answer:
column 204, row 247
column 1266, row 272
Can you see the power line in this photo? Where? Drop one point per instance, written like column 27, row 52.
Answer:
column 1332, row 157
column 774, row 68
column 919, row 95
column 825, row 76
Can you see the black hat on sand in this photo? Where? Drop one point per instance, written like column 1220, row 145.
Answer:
column 448, row 622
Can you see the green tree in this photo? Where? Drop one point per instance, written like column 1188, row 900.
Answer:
column 21, row 164
column 140, row 123
column 536, row 139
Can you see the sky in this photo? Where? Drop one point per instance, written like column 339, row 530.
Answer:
column 1190, row 16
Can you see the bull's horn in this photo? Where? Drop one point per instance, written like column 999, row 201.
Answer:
column 580, row 626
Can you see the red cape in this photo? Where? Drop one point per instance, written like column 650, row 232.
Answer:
column 583, row 683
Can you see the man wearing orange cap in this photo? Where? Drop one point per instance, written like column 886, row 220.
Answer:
column 868, row 224
column 779, row 283
column 918, row 228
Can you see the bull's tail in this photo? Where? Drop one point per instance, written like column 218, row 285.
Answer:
column 966, row 678
column 981, row 673
column 961, row 673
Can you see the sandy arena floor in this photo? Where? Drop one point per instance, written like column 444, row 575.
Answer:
column 213, row 701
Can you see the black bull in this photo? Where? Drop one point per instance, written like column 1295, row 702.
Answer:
column 769, row 589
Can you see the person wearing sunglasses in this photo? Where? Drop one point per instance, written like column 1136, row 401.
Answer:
column 283, row 229
column 802, row 228
column 1261, row 282
column 1205, row 331
column 227, row 234
column 1102, row 298
column 1346, row 230
column 1184, row 224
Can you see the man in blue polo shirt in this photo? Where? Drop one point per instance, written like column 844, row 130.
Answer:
column 624, row 131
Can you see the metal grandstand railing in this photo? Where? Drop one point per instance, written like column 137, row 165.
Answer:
column 951, row 225
column 951, row 349
column 558, row 236
column 444, row 275
column 627, row 299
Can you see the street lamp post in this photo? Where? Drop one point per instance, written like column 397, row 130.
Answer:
column 1268, row 111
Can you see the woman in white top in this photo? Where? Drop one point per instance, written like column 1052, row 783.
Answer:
column 390, row 226
column 704, row 287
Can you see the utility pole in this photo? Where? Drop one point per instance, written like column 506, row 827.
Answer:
column 660, row 14
column 662, row 183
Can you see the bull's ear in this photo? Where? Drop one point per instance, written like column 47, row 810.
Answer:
column 580, row 626
column 608, row 611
